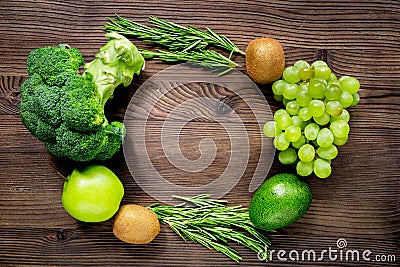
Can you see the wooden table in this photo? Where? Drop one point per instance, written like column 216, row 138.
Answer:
column 358, row 203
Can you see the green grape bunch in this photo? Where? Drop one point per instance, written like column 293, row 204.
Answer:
column 315, row 120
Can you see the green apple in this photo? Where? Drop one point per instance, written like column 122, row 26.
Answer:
column 92, row 194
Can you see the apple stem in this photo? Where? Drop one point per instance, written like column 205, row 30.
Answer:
column 57, row 171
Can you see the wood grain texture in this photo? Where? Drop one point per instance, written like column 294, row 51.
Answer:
column 359, row 202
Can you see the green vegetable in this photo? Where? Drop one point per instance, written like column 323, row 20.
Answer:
column 213, row 224
column 185, row 43
column 66, row 110
column 280, row 201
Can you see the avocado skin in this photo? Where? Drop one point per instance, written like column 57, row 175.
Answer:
column 279, row 201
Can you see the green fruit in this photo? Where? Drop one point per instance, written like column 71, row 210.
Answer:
column 92, row 194
column 279, row 201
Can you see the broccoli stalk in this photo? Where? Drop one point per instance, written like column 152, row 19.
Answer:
column 107, row 72
column 66, row 110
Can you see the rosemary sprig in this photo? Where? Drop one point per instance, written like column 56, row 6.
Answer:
column 171, row 35
column 205, row 37
column 206, row 58
column 212, row 224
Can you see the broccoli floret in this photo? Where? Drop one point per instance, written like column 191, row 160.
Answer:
column 65, row 109
column 34, row 114
column 42, row 130
column 115, row 133
column 80, row 146
column 49, row 62
column 81, row 109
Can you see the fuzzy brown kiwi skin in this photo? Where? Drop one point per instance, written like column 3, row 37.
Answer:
column 135, row 224
column 265, row 60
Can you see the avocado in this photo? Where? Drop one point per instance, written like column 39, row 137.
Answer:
column 279, row 201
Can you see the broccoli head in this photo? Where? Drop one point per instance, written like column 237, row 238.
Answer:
column 65, row 109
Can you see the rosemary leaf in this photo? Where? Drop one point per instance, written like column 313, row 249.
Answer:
column 212, row 224
column 206, row 58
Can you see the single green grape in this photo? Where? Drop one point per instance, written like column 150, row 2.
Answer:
column 356, row 100
column 280, row 142
column 340, row 141
column 316, row 107
column 304, row 168
column 328, row 153
column 332, row 77
column 293, row 133
column 339, row 128
column 299, row 142
column 303, row 98
column 349, row 84
column 284, row 121
column 332, row 91
column 304, row 114
column 322, row 168
column 311, row 131
column 323, row 119
column 292, row 107
column 290, row 91
column 278, row 98
column 279, row 112
column 306, row 153
column 345, row 115
column 277, row 87
column 287, row 156
column 334, row 108
column 316, row 88
column 319, row 63
column 305, row 73
column 299, row 64
column 346, row 99
column 323, row 72
column 325, row 138
column 291, row 74
column 270, row 129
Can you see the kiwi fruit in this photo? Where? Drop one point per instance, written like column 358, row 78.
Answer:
column 265, row 60
column 135, row 224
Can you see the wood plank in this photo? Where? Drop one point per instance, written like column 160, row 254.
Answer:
column 344, row 17
column 294, row 27
column 16, row 137
column 86, row 246
column 199, row 101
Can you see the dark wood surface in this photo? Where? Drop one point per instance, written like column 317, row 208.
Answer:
column 359, row 202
